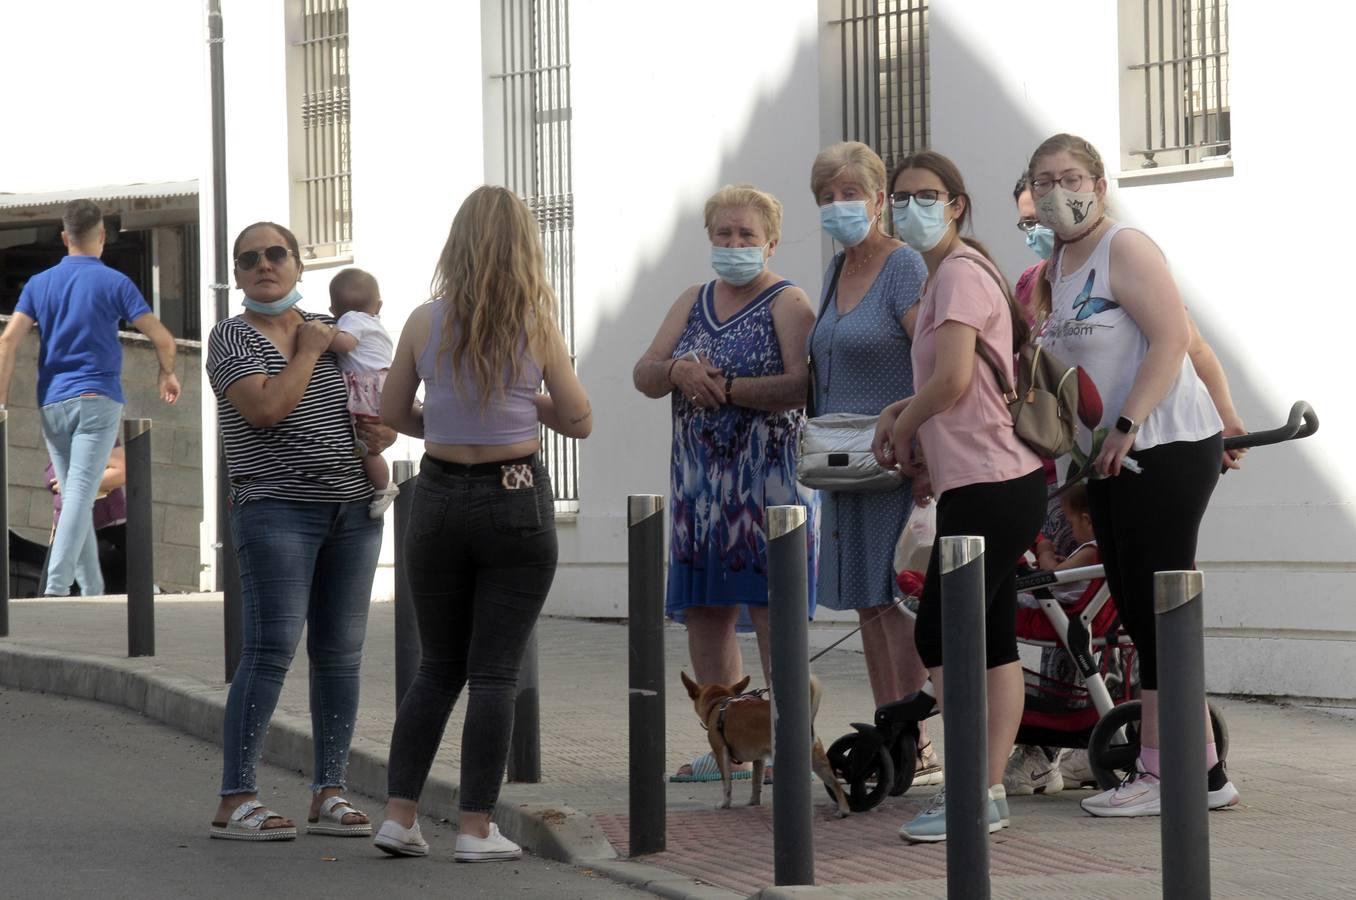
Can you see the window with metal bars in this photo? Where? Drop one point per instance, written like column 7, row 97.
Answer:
column 883, row 59
column 532, row 85
column 322, row 200
column 1175, row 102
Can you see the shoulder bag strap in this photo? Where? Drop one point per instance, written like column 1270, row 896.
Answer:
column 999, row 372
column 810, row 410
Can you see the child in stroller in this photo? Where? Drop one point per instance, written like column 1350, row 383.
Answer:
column 1055, row 697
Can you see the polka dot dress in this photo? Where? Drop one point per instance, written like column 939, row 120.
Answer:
column 862, row 365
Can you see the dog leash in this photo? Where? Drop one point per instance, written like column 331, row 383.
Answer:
column 883, row 611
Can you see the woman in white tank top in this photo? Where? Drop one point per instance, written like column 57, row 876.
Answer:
column 1115, row 311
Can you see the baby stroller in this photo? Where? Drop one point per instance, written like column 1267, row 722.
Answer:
column 1098, row 711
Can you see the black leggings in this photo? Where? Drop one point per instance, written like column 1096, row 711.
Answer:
column 1148, row 523
column 1008, row 515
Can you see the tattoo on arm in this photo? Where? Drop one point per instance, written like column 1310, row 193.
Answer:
column 580, row 418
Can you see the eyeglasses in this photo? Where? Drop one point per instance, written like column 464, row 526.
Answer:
column 1070, row 181
column 1026, row 226
column 922, row 198
column 250, row 258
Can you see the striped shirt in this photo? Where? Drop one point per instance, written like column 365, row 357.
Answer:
column 309, row 456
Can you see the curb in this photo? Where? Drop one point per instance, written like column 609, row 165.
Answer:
column 142, row 685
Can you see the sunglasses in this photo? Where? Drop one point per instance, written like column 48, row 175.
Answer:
column 250, row 258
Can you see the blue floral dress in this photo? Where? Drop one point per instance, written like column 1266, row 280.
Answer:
column 729, row 464
column 862, row 365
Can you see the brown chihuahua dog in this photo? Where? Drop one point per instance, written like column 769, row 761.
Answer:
column 739, row 728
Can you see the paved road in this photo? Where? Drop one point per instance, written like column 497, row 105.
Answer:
column 102, row 802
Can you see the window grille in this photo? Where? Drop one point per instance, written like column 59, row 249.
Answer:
column 322, row 196
column 535, row 105
column 883, row 55
column 1184, row 76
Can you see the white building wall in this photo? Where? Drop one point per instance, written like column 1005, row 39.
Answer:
column 667, row 108
column 1249, row 253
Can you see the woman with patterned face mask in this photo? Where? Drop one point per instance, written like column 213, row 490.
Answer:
column 730, row 358
column 860, row 346
column 1116, row 312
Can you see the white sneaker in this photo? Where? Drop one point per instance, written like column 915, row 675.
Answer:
column 477, row 849
column 1074, row 767
column 398, row 840
column 1138, row 795
column 1030, row 771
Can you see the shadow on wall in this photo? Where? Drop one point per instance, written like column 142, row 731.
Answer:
column 632, row 431
column 783, row 123
column 1282, row 487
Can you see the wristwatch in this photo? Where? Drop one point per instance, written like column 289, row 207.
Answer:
column 729, row 386
column 1127, row 425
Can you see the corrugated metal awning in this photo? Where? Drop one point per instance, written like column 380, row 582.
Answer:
column 147, row 191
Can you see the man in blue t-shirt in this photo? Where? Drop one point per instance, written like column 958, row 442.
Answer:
column 76, row 305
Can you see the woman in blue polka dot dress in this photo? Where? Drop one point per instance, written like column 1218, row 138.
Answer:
column 860, row 346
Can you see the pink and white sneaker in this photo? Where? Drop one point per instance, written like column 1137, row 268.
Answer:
column 1138, row 795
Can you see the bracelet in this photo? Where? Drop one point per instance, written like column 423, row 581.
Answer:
column 729, row 385
column 676, row 359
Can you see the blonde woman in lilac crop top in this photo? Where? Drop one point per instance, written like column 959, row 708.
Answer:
column 481, row 547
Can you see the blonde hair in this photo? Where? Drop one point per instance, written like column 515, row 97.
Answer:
column 492, row 278
column 746, row 196
column 851, row 158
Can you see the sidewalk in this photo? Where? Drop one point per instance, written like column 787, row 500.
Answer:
column 1292, row 836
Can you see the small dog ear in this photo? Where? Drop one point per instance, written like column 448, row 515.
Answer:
column 739, row 686
column 692, row 688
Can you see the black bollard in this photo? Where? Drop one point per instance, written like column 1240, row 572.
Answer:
column 793, row 850
column 136, row 441
column 965, row 718
column 4, row 518
column 404, row 476
column 645, row 676
column 1178, row 621
column 524, row 761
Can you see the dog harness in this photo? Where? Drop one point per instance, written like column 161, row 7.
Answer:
column 720, row 716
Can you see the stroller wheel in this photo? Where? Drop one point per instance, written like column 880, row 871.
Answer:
column 1112, row 757
column 865, row 768
column 904, row 755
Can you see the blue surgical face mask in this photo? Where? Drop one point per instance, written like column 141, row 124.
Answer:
column 277, row 307
column 846, row 221
column 1041, row 241
column 737, row 265
column 921, row 227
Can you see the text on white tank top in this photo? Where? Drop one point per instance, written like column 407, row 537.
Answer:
column 1087, row 327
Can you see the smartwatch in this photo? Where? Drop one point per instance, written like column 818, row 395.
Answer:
column 1126, row 425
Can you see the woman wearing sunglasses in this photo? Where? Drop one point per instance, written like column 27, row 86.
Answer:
column 306, row 546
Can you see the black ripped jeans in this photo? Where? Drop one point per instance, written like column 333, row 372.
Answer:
column 480, row 559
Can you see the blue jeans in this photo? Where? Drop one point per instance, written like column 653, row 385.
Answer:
column 301, row 564
column 480, row 559
column 80, row 433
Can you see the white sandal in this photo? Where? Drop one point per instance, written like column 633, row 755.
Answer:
column 247, row 824
column 331, row 820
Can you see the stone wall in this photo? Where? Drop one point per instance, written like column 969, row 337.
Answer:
column 176, row 454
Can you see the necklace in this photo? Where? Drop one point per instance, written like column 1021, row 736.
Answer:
column 1075, row 240
column 860, row 264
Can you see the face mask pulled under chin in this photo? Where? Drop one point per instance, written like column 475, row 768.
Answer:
column 277, row 307
column 1067, row 213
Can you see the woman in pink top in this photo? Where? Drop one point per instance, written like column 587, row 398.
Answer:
column 986, row 480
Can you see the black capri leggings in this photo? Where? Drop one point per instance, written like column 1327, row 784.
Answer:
column 1008, row 515
column 1148, row 523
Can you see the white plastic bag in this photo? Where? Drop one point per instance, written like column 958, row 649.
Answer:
column 915, row 541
